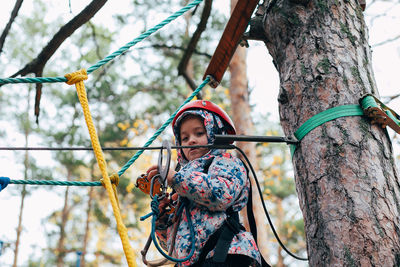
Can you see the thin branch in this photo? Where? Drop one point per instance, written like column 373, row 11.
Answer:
column 38, row 96
column 160, row 46
column 94, row 38
column 182, row 67
column 389, row 99
column 387, row 41
column 6, row 30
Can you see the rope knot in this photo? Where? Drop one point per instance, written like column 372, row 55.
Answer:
column 114, row 179
column 154, row 206
column 4, row 181
column 75, row 77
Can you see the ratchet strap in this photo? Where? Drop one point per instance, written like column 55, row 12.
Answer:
column 370, row 106
column 380, row 113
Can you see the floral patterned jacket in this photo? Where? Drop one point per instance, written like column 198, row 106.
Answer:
column 210, row 193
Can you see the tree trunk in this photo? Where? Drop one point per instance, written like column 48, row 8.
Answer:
column 64, row 217
column 26, row 129
column 279, row 219
column 345, row 173
column 88, row 216
column 19, row 227
column 240, row 105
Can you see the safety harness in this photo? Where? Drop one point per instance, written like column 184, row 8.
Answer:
column 221, row 239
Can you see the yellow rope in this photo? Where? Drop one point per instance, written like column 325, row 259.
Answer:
column 77, row 79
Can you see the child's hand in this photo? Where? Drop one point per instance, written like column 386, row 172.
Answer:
column 167, row 202
column 153, row 170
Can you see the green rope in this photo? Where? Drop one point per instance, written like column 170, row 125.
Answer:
column 33, row 80
column 110, row 57
column 325, row 116
column 143, row 36
column 158, row 132
column 49, row 182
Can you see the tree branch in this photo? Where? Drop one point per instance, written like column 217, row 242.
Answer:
column 6, row 30
column 65, row 31
column 182, row 67
column 161, row 46
column 387, row 41
column 36, row 66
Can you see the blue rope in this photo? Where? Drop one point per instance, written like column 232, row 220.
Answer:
column 110, row 57
column 155, row 213
column 78, row 258
column 4, row 181
column 158, row 132
column 1, row 246
column 154, row 209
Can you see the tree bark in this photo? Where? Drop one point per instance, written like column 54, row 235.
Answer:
column 345, row 173
column 240, row 106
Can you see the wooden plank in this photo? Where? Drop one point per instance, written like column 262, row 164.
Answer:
column 231, row 36
column 362, row 4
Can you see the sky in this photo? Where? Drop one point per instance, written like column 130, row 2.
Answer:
column 265, row 88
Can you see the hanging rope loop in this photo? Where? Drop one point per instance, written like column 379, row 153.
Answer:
column 75, row 77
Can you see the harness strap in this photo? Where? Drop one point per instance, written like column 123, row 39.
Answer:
column 230, row 228
column 221, row 239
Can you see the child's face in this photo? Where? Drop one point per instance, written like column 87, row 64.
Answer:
column 192, row 132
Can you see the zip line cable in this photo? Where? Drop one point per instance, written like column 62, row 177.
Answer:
column 107, row 148
column 75, row 148
column 221, row 141
column 7, row 180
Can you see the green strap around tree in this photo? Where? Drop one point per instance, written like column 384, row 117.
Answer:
column 325, row 116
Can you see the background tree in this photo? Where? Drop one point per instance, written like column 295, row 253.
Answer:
column 241, row 111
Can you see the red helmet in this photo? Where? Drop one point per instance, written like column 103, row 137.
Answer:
column 209, row 106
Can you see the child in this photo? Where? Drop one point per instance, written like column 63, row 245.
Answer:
column 215, row 184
